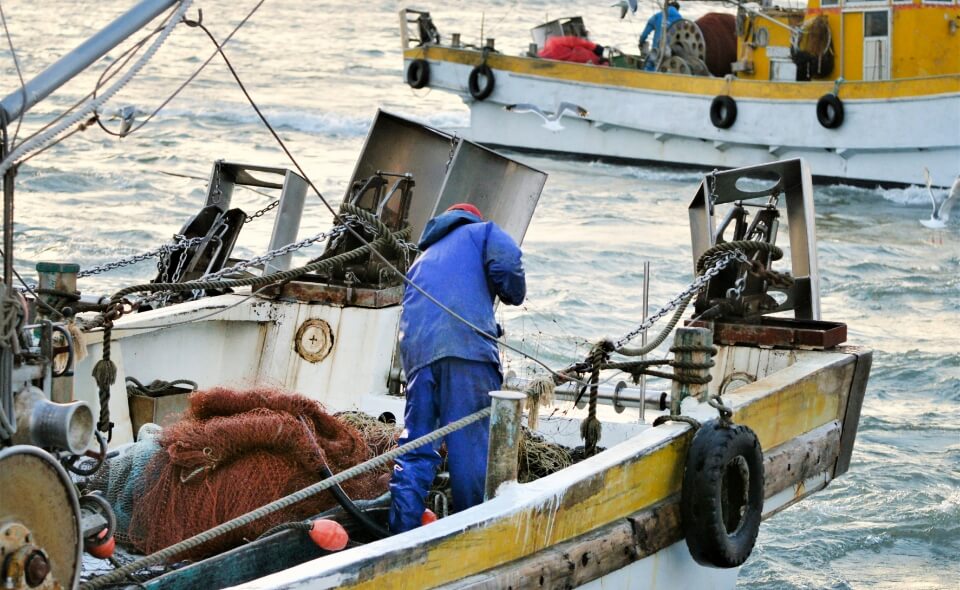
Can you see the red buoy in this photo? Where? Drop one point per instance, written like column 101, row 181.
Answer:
column 103, row 549
column 328, row 534
column 428, row 517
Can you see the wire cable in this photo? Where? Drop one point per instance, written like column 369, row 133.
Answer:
column 16, row 63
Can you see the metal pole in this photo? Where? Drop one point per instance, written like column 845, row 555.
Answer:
column 504, row 440
column 643, row 335
column 85, row 54
column 287, row 222
column 686, row 339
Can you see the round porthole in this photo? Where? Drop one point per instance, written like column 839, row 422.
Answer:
column 314, row 340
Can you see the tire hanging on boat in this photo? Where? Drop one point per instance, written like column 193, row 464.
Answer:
column 721, row 501
column 723, row 112
column 418, row 73
column 481, row 90
column 830, row 111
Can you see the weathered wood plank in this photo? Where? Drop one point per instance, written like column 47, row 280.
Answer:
column 618, row 544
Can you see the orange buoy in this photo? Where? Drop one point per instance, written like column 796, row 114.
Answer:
column 328, row 534
column 428, row 517
column 104, row 548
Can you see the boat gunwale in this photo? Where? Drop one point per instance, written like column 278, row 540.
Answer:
column 638, row 473
column 940, row 85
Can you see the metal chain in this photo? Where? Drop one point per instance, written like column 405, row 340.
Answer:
column 699, row 283
column 180, row 242
column 263, row 211
column 273, row 254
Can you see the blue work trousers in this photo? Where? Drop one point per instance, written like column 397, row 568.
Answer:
column 440, row 393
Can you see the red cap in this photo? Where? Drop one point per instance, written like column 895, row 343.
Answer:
column 466, row 207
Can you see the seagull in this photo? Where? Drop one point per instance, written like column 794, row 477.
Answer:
column 624, row 5
column 550, row 121
column 941, row 211
column 126, row 115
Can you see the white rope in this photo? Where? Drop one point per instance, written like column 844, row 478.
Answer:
column 95, row 103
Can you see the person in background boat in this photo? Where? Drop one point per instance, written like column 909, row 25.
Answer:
column 575, row 49
column 464, row 263
column 653, row 26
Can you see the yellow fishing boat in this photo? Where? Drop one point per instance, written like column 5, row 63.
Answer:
column 864, row 91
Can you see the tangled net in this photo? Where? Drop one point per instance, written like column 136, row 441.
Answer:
column 539, row 457
column 234, row 451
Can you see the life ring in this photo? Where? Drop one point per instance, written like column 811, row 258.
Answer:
column 721, row 501
column 418, row 73
column 830, row 111
column 478, row 91
column 723, row 112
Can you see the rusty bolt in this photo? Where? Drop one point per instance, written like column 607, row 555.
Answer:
column 37, row 568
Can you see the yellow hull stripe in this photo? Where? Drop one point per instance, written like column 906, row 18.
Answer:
column 699, row 85
column 620, row 491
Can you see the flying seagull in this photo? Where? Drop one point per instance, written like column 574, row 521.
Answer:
column 941, row 211
column 624, row 6
column 126, row 115
column 550, row 121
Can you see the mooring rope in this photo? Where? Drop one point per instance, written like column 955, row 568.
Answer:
column 243, row 520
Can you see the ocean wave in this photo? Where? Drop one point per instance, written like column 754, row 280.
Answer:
column 329, row 124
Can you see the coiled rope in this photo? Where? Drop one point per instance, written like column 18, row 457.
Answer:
column 377, row 462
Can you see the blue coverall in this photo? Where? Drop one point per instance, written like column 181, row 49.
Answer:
column 464, row 263
column 653, row 26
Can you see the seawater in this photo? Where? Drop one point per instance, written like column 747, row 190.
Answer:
column 321, row 69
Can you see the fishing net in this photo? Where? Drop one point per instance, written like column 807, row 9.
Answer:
column 235, row 451
column 123, row 479
column 539, row 457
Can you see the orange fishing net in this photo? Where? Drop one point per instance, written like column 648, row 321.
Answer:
column 234, row 451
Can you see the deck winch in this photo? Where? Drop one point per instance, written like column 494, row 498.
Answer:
column 742, row 299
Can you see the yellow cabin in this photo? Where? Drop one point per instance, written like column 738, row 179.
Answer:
column 865, row 41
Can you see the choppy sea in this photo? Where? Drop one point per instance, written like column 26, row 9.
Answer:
column 321, row 69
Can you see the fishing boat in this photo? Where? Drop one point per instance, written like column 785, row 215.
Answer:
column 762, row 408
column 854, row 88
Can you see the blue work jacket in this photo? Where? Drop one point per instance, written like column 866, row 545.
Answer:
column 464, row 263
column 653, row 25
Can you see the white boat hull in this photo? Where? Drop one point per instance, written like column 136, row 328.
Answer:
column 881, row 140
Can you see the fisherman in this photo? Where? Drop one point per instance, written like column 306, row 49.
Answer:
column 654, row 26
column 451, row 366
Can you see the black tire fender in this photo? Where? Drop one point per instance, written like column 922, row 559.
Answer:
column 481, row 90
column 830, row 111
column 723, row 112
column 721, row 502
column 418, row 73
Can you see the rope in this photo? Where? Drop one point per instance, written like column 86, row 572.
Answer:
column 653, row 344
column 299, row 496
column 540, row 391
column 287, row 526
column 43, row 138
column 591, row 429
column 745, row 246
